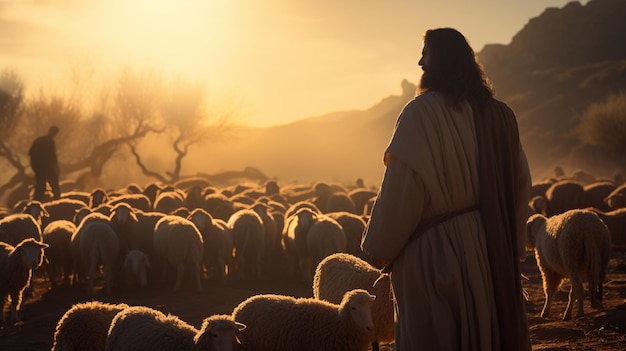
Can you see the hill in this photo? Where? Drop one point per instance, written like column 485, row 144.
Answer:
column 554, row 68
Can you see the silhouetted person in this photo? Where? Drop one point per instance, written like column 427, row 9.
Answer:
column 43, row 161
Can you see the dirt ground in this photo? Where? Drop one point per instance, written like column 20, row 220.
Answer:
column 597, row 330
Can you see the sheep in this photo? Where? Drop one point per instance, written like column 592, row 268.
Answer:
column 135, row 268
column 58, row 236
column 312, row 324
column 576, row 245
column 616, row 198
column 177, row 241
column 93, row 244
column 564, row 195
column 219, row 206
column 16, row 266
column 537, row 204
column 124, row 221
column 272, row 236
column 340, row 202
column 294, row 238
column 596, row 193
column 324, row 238
column 61, row 209
column 19, row 226
column 248, row 234
column 137, row 201
column 360, row 197
column 354, row 226
column 342, row 272
column 85, row 326
column 615, row 220
column 217, row 239
column 98, row 197
column 144, row 328
column 168, row 201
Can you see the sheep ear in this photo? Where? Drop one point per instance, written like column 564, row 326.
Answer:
column 240, row 326
column 42, row 244
column 373, row 297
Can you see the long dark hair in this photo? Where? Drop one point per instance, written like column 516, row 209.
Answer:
column 454, row 69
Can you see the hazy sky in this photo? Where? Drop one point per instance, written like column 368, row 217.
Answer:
column 279, row 60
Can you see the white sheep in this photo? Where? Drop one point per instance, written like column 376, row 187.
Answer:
column 58, row 236
column 294, row 238
column 95, row 243
column 85, row 326
column 143, row 328
column 279, row 322
column 248, row 234
column 177, row 241
column 576, row 245
column 324, row 238
column 342, row 272
column 217, row 239
column 16, row 266
column 135, row 268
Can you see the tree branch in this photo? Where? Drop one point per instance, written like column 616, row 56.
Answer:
column 143, row 167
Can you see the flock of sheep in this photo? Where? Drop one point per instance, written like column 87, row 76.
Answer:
column 185, row 235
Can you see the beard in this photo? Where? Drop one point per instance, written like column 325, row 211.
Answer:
column 426, row 82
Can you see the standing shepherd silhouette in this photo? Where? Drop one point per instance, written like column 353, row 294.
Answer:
column 43, row 161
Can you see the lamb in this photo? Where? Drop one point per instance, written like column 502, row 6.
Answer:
column 312, row 324
column 85, row 326
column 176, row 241
column 58, row 236
column 576, row 245
column 16, row 266
column 342, row 272
column 217, row 239
column 143, row 328
column 93, row 244
column 248, row 234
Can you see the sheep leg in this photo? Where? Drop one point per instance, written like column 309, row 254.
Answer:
column 551, row 283
column 576, row 293
column 16, row 302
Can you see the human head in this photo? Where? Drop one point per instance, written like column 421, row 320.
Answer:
column 53, row 131
column 451, row 67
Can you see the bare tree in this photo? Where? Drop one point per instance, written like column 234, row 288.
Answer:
column 188, row 122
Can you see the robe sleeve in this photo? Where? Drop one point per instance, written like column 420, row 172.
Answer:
column 396, row 212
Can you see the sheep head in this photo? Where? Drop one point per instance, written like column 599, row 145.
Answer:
column 30, row 252
column 357, row 304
